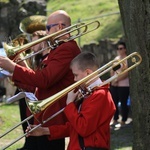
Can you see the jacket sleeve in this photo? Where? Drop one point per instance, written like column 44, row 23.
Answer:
column 95, row 111
column 25, row 87
column 59, row 131
column 51, row 74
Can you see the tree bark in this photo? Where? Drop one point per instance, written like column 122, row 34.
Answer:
column 136, row 21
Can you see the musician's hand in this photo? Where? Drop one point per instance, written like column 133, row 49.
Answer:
column 38, row 131
column 124, row 66
column 21, row 63
column 18, row 60
column 71, row 96
column 7, row 64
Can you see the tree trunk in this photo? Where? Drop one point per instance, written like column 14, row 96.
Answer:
column 136, row 21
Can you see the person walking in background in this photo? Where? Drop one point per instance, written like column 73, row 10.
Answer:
column 120, row 88
column 88, row 122
column 51, row 77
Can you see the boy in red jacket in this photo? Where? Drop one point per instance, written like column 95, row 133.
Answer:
column 88, row 124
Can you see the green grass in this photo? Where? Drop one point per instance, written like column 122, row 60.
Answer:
column 9, row 116
column 87, row 11
column 121, row 139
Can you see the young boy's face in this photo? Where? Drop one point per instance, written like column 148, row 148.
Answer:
column 78, row 73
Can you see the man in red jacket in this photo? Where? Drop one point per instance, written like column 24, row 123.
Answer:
column 53, row 76
column 88, row 124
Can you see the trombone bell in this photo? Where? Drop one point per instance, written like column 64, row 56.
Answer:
column 10, row 50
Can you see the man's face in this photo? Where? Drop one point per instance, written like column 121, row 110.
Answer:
column 52, row 26
column 78, row 73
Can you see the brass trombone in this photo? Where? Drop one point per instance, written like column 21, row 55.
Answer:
column 134, row 60
column 55, row 39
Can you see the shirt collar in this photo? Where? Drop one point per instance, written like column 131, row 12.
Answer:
column 95, row 83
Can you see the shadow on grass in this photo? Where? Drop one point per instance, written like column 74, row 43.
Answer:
column 122, row 138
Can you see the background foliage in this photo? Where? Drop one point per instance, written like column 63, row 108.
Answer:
column 106, row 11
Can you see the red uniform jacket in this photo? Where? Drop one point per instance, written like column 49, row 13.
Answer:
column 52, row 78
column 92, row 122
